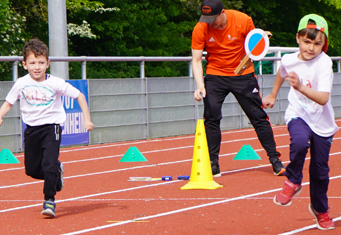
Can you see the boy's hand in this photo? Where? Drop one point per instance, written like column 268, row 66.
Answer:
column 293, row 80
column 268, row 101
column 89, row 126
column 5, row 108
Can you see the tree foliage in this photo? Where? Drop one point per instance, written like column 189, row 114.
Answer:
column 12, row 35
column 138, row 28
column 336, row 3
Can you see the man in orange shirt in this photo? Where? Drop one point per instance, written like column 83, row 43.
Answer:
column 221, row 33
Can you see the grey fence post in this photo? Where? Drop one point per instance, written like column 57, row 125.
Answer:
column 190, row 71
column 84, row 70
column 58, row 42
column 15, row 70
column 276, row 64
column 142, row 69
column 147, row 106
column 260, row 68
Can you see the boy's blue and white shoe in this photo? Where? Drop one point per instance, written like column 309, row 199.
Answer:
column 60, row 183
column 49, row 208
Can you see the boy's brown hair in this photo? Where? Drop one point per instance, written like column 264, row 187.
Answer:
column 37, row 47
column 310, row 32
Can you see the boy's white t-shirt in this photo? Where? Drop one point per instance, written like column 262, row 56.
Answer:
column 318, row 75
column 40, row 102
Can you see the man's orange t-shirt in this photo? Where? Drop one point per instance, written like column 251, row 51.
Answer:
column 224, row 47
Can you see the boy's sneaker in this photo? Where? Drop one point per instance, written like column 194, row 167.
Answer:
column 323, row 220
column 215, row 170
column 284, row 197
column 277, row 166
column 60, row 182
column 49, row 208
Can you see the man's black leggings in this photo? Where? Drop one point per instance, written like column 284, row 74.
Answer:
column 246, row 90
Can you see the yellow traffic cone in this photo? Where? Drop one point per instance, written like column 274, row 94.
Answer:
column 201, row 173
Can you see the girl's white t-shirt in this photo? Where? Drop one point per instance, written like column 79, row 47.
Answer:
column 40, row 102
column 318, row 75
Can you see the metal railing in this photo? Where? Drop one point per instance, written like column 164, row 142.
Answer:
column 142, row 59
column 84, row 59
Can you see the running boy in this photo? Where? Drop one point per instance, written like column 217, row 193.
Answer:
column 42, row 111
column 309, row 116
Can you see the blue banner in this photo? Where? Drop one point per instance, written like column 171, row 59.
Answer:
column 73, row 129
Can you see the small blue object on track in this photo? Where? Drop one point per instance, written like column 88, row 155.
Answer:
column 166, row 178
column 183, row 177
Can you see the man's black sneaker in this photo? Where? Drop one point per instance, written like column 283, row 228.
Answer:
column 277, row 167
column 215, row 170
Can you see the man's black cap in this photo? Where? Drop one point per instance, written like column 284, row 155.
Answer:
column 210, row 9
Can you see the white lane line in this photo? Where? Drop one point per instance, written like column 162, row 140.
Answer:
column 106, row 157
column 92, row 195
column 77, row 176
column 181, row 210
column 157, row 199
column 146, row 166
column 123, row 169
column 97, row 173
column 306, row 228
column 156, row 151
column 139, row 167
column 163, row 139
column 12, row 169
column 157, row 140
column 146, row 152
column 135, row 188
column 149, row 141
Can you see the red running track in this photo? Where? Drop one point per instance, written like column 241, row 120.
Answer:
column 99, row 199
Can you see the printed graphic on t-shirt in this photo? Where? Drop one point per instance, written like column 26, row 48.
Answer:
column 302, row 99
column 37, row 95
column 231, row 38
column 211, row 39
